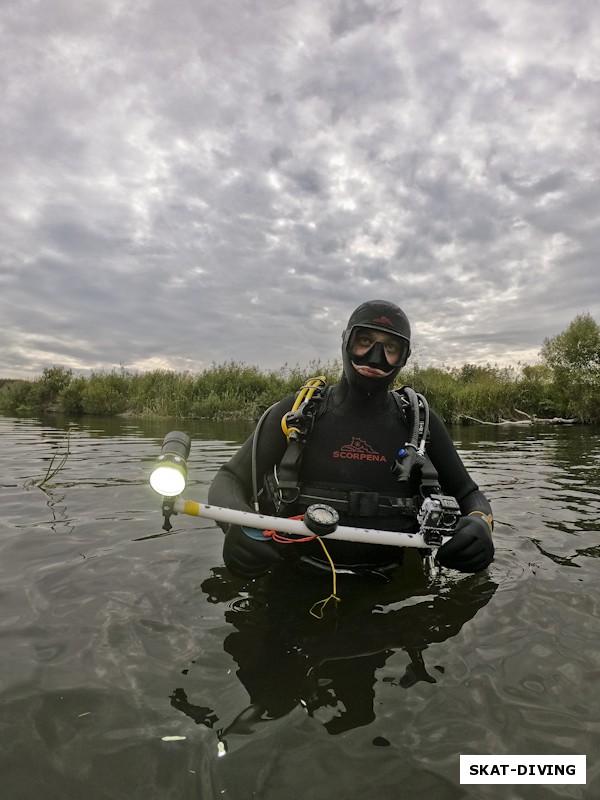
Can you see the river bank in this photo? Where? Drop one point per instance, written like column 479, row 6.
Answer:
column 488, row 394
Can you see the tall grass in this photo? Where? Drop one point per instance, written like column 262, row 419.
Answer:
column 222, row 391
column 235, row 390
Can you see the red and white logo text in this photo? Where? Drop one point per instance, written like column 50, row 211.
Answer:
column 358, row 450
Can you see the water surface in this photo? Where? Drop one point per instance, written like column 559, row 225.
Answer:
column 116, row 634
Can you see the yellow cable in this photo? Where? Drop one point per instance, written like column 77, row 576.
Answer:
column 320, row 605
column 306, row 392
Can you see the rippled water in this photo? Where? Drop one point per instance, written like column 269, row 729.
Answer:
column 115, row 634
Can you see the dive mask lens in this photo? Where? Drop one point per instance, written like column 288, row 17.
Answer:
column 367, row 349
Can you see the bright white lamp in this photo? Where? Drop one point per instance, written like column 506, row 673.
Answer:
column 169, row 474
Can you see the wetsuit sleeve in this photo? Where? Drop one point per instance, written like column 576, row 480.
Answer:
column 452, row 473
column 232, row 485
column 232, row 488
column 470, row 548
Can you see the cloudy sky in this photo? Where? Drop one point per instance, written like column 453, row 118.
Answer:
column 191, row 181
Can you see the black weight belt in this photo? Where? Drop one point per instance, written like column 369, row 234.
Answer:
column 357, row 503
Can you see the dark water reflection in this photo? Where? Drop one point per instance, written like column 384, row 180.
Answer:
column 115, row 634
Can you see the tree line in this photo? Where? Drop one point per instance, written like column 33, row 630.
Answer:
column 565, row 384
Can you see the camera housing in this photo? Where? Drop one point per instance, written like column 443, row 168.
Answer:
column 438, row 517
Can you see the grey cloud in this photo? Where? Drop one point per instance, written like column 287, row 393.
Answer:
column 308, row 180
column 200, row 181
column 352, row 14
column 528, row 187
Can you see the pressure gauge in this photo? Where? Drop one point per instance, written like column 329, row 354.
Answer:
column 321, row 519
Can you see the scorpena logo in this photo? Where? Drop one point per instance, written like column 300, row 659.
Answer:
column 358, row 450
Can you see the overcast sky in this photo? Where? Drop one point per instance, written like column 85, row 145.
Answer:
column 191, row 181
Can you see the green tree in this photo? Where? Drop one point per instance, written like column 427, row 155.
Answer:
column 48, row 388
column 574, row 358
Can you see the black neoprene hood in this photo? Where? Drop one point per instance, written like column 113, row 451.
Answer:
column 382, row 316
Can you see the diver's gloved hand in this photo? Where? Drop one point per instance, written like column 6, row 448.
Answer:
column 246, row 557
column 471, row 548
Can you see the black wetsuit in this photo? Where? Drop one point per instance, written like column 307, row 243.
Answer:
column 353, row 445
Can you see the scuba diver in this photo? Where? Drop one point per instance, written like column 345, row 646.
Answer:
column 368, row 452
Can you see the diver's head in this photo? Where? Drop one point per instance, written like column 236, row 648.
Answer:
column 376, row 345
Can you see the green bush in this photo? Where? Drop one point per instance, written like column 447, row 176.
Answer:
column 105, row 394
column 50, row 385
column 161, row 393
column 70, row 398
column 17, row 396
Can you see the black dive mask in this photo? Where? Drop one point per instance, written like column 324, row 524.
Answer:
column 374, row 357
column 385, row 317
column 384, row 355
column 360, row 382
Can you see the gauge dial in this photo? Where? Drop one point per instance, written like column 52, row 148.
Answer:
column 321, row 519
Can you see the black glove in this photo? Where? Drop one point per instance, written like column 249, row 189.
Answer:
column 246, row 557
column 471, row 548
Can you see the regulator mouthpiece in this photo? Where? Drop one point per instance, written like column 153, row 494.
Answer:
column 169, row 474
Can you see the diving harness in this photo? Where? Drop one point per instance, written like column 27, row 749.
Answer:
column 436, row 513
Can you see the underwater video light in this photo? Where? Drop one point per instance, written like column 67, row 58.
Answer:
column 169, row 474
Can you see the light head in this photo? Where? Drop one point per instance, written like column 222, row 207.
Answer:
column 169, row 474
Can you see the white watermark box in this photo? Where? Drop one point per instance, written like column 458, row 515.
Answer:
column 522, row 769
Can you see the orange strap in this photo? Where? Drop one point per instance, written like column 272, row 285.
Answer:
column 270, row 534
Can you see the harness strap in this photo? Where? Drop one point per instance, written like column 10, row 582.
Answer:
column 297, row 425
column 289, row 467
column 358, row 503
column 429, row 478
